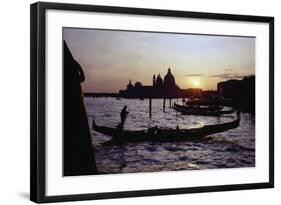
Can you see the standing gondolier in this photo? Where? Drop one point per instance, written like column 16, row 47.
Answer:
column 124, row 113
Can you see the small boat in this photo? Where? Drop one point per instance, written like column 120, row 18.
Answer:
column 201, row 111
column 164, row 135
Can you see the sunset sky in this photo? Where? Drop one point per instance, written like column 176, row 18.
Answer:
column 111, row 58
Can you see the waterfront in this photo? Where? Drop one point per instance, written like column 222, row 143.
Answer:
column 233, row 148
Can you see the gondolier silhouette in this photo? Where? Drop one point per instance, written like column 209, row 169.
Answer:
column 124, row 113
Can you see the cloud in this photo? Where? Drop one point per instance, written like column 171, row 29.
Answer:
column 221, row 75
column 229, row 75
column 228, row 70
column 194, row 75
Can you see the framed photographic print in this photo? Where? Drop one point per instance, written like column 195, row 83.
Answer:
column 129, row 102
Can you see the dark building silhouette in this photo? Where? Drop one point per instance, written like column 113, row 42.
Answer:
column 169, row 81
column 242, row 92
column 130, row 86
column 159, row 81
column 138, row 85
column 160, row 88
column 228, row 88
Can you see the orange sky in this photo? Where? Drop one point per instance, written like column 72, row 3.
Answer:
column 111, row 58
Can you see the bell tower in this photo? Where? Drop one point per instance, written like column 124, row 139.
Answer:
column 154, row 80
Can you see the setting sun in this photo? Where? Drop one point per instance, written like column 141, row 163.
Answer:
column 195, row 83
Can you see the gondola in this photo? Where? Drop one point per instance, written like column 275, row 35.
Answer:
column 165, row 135
column 215, row 100
column 199, row 108
column 204, row 112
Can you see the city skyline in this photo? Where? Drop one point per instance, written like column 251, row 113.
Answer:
column 111, row 58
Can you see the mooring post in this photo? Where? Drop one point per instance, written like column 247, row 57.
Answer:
column 150, row 102
column 164, row 102
column 170, row 102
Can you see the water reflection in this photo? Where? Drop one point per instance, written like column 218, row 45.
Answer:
column 234, row 148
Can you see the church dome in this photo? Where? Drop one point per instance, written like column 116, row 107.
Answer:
column 169, row 80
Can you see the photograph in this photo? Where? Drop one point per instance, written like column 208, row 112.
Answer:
column 145, row 101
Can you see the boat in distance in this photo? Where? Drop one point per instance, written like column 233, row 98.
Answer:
column 119, row 135
column 207, row 111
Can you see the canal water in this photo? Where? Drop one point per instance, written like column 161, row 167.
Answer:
column 231, row 149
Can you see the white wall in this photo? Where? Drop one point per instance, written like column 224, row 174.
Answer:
column 14, row 100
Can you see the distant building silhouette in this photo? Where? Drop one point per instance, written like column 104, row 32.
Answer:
column 159, row 81
column 242, row 92
column 160, row 88
column 130, row 86
column 169, row 81
column 154, row 81
column 138, row 85
column 228, row 88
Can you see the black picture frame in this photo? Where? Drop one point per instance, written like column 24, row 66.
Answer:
column 38, row 100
